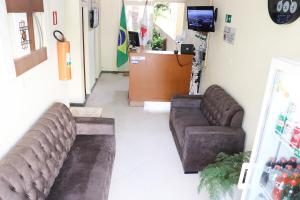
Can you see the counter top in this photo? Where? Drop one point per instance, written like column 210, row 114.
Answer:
column 140, row 51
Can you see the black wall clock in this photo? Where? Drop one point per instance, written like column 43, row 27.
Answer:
column 284, row 11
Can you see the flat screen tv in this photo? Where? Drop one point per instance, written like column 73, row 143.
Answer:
column 201, row 18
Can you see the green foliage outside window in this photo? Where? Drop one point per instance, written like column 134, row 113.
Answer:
column 159, row 8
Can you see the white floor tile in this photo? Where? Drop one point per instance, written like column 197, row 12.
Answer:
column 147, row 165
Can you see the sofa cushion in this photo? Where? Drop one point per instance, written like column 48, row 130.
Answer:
column 186, row 117
column 28, row 171
column 86, row 172
column 219, row 108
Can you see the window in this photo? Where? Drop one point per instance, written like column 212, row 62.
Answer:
column 170, row 18
column 134, row 15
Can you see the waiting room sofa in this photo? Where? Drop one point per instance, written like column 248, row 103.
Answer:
column 203, row 126
column 60, row 158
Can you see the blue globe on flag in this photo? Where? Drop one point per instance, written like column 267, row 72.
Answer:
column 122, row 41
column 122, row 37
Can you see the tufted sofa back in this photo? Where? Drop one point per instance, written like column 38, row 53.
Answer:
column 28, row 171
column 220, row 109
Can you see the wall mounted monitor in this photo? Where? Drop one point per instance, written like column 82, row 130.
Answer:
column 201, row 18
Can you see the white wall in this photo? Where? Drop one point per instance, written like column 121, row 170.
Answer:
column 73, row 33
column 90, row 48
column 23, row 99
column 109, row 30
column 89, row 51
column 98, row 46
column 242, row 68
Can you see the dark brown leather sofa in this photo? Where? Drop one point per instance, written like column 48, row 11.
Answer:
column 203, row 126
column 60, row 158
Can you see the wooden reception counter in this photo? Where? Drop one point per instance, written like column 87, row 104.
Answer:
column 158, row 76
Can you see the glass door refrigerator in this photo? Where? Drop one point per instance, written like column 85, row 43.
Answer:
column 274, row 169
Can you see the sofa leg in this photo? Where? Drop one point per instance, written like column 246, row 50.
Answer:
column 190, row 172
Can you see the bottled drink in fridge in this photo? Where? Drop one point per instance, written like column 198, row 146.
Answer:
column 282, row 162
column 296, row 177
column 281, row 183
column 293, row 162
column 268, row 167
column 295, row 141
column 288, row 170
column 272, row 178
column 297, row 169
column 289, row 193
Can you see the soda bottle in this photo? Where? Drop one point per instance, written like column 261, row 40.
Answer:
column 281, row 183
column 293, row 162
column 298, row 169
column 276, row 171
column 290, row 191
column 296, row 176
column 268, row 167
column 295, row 141
column 297, row 130
column 282, row 162
column 288, row 170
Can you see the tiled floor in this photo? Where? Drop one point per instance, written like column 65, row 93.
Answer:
column 147, row 165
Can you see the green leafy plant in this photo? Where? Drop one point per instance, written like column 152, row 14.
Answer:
column 159, row 9
column 220, row 177
column 157, row 40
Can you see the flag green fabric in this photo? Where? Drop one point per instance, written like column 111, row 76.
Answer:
column 122, row 55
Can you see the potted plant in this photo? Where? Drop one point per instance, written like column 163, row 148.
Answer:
column 221, row 178
column 157, row 40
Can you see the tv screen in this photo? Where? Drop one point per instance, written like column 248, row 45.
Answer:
column 201, row 18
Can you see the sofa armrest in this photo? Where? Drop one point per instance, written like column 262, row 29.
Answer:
column 191, row 101
column 203, row 143
column 95, row 126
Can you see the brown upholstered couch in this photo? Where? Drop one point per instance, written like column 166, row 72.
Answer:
column 60, row 158
column 203, row 126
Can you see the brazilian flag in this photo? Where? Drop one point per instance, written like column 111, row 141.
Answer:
column 122, row 55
